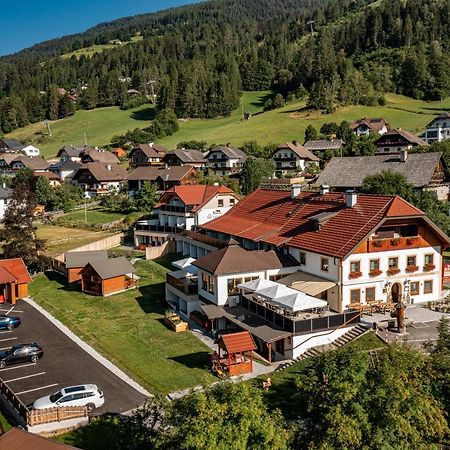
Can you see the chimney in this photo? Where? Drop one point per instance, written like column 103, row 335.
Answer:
column 324, row 189
column 109, row 167
column 151, row 144
column 403, row 155
column 296, row 189
column 351, row 198
column 295, row 143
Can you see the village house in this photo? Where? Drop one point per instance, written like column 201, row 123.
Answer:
column 146, row 155
column 107, row 277
column 307, row 265
column 36, row 164
column 225, row 160
column 164, row 177
column 119, row 152
column 14, row 279
column 324, row 147
column 182, row 208
column 10, row 145
column 52, row 178
column 65, row 169
column 367, row 126
column 397, row 140
column 69, row 152
column 74, row 262
column 19, row 439
column 98, row 155
column 99, row 179
column 438, row 129
column 182, row 157
column 5, row 195
column 346, row 173
column 30, row 150
column 291, row 158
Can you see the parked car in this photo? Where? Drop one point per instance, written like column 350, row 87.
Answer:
column 21, row 353
column 88, row 395
column 8, row 322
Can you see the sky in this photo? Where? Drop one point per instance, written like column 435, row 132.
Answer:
column 27, row 22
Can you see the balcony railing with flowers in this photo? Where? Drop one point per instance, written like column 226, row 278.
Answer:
column 375, row 272
column 428, row 267
column 412, row 268
column 400, row 243
column 355, row 274
column 393, row 271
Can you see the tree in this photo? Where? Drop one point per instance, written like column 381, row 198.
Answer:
column 147, row 197
column 66, row 107
column 387, row 183
column 310, row 133
column 330, row 129
column 18, row 235
column 228, row 416
column 52, row 103
column 278, row 101
column 253, row 171
column 44, row 193
column 193, row 145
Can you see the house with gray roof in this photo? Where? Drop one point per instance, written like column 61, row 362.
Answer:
column 425, row 171
column 396, row 141
column 225, row 160
column 291, row 158
column 322, row 146
column 10, row 145
column 184, row 156
column 438, row 129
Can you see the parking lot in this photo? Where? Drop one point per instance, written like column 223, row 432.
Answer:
column 64, row 364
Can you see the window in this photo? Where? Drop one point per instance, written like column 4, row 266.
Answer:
column 429, row 259
column 355, row 266
column 414, row 288
column 232, row 201
column 428, row 287
column 370, row 294
column 324, row 264
column 276, row 277
column 204, row 281
column 220, row 202
column 393, row 263
column 211, row 285
column 302, row 258
column 232, row 285
column 411, row 261
column 247, row 279
column 355, row 296
column 374, row 264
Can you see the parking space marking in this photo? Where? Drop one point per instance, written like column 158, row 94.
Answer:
column 5, row 348
column 8, row 339
column 27, row 376
column 18, row 367
column 36, row 389
column 4, row 332
column 9, row 310
column 16, row 310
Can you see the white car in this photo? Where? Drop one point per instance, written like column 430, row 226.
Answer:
column 88, row 395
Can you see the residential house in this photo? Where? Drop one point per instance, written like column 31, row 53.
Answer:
column 310, row 262
column 10, row 145
column 183, row 157
column 52, row 178
column 367, row 126
column 36, row 164
column 397, row 140
column 424, row 171
column 5, row 161
column 324, row 147
column 146, row 155
column 107, row 277
column 18, row 439
column 225, row 160
column 70, row 152
column 74, row 262
column 5, row 195
column 182, row 208
column 98, row 155
column 30, row 150
column 119, row 152
column 291, row 158
column 65, row 169
column 14, row 279
column 99, row 179
column 438, row 129
column 164, row 178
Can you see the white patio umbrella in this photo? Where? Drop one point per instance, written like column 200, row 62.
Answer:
column 277, row 290
column 298, row 301
column 252, row 286
column 182, row 263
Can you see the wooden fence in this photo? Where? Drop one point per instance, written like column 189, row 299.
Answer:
column 15, row 402
column 49, row 415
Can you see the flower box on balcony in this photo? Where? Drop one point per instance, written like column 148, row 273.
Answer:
column 375, row 272
column 393, row 271
column 428, row 267
column 353, row 275
column 411, row 269
column 411, row 240
column 378, row 243
column 394, row 242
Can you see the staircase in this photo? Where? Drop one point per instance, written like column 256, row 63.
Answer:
column 351, row 335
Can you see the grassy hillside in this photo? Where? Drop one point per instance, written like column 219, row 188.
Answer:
column 284, row 124
column 99, row 124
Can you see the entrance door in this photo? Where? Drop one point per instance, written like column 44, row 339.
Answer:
column 396, row 292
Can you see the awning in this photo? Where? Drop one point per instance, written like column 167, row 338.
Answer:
column 212, row 311
column 307, row 283
column 299, row 301
column 252, row 286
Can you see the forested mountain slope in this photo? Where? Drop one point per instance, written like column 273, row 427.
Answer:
column 201, row 56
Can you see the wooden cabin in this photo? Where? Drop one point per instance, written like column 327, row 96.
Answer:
column 238, row 348
column 14, row 279
column 76, row 261
column 107, row 277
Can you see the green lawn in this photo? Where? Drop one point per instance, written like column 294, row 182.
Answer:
column 100, row 125
column 128, row 328
column 95, row 216
column 4, row 424
column 282, row 392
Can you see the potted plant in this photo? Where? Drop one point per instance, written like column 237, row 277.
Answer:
column 375, row 272
column 395, row 242
column 377, row 243
column 412, row 268
column 393, row 271
column 428, row 267
column 411, row 240
column 353, row 275
column 173, row 320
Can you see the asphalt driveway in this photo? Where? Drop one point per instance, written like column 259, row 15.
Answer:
column 64, row 364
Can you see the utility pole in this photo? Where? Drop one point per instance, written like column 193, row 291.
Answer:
column 85, row 211
column 85, row 138
column 151, row 82
column 47, row 124
column 310, row 22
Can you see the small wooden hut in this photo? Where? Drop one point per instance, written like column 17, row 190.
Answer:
column 238, row 356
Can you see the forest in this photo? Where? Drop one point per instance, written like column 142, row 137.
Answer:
column 200, row 58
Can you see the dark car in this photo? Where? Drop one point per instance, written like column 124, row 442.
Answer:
column 21, row 353
column 9, row 322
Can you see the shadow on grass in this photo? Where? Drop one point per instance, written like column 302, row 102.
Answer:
column 151, row 299
column 261, row 100
column 429, row 108
column 298, row 110
column 198, row 360
column 143, row 114
column 166, row 261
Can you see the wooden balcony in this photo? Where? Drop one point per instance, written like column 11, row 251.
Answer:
column 392, row 244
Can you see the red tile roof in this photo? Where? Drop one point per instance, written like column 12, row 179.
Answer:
column 17, row 439
column 13, row 270
column 274, row 218
column 196, row 195
column 237, row 342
